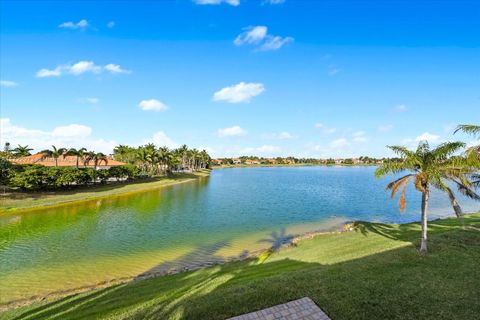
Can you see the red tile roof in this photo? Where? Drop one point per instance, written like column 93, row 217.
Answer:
column 68, row 161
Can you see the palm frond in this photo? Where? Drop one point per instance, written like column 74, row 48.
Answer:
column 397, row 184
column 466, row 191
column 444, row 150
column 468, row 129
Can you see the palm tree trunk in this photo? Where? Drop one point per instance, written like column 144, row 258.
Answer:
column 423, row 245
column 77, row 161
column 56, row 162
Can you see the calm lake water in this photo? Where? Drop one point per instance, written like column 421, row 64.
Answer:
column 232, row 212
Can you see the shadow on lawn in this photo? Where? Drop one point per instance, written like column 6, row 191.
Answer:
column 278, row 239
column 378, row 286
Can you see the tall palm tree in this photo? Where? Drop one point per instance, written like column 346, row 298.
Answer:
column 429, row 168
column 54, row 153
column 22, row 151
column 79, row 153
column 95, row 157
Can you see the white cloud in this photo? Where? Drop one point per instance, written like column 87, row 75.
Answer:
column 115, row 68
column 43, row 73
column 72, row 130
column 111, row 24
column 241, row 92
column 359, row 137
column 83, row 67
column 426, row 136
column 400, row 108
column 274, row 43
column 71, row 136
column 325, row 129
column 339, row 143
column 82, row 24
column 258, row 35
column 89, row 100
column 274, row 1
column 235, row 131
column 8, row 84
column 214, row 2
column 79, row 68
column 251, row 35
column 153, row 105
column 281, row 136
column 160, row 139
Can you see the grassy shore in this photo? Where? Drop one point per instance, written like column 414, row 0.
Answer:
column 373, row 272
column 30, row 200
column 293, row 165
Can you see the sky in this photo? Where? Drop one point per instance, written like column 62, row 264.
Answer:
column 239, row 77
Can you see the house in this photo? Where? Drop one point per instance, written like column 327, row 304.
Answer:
column 250, row 161
column 67, row 161
column 237, row 161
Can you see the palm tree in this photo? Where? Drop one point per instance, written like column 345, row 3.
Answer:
column 22, row 151
column 96, row 157
column 80, row 153
column 429, row 168
column 54, row 153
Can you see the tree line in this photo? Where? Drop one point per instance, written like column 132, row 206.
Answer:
column 140, row 162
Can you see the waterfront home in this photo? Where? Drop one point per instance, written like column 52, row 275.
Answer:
column 67, row 161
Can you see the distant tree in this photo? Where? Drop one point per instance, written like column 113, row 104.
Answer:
column 79, row 153
column 22, row 151
column 54, row 153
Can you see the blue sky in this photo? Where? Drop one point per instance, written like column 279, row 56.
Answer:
column 303, row 78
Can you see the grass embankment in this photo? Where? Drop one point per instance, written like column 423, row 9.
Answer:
column 29, row 200
column 374, row 272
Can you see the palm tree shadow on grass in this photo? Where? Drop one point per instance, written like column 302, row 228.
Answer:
column 231, row 289
column 278, row 239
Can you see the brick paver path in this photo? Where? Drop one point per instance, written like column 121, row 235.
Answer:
column 301, row 309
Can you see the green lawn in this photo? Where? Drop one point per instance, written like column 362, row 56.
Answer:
column 28, row 200
column 374, row 272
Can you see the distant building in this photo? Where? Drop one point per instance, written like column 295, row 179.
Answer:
column 237, row 161
column 68, row 161
column 249, row 161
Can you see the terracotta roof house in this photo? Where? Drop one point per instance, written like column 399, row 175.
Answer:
column 68, row 161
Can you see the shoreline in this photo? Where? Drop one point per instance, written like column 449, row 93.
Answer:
column 292, row 165
column 261, row 254
column 61, row 199
column 346, row 227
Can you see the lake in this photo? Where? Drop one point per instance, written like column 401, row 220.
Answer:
column 229, row 214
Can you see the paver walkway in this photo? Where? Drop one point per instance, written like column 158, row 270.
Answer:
column 301, row 309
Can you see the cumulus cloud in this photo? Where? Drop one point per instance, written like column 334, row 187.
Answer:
column 84, row 66
column 280, row 136
column 241, row 92
column 160, row 138
column 235, row 131
column 275, row 42
column 274, row 1
column 8, row 84
column 258, row 35
column 251, row 35
column 115, row 68
column 215, row 2
column 324, row 128
column 339, row 143
column 79, row 68
column 152, row 105
column 89, row 100
column 72, row 135
column 426, row 136
column 82, row 24
column 359, row 137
